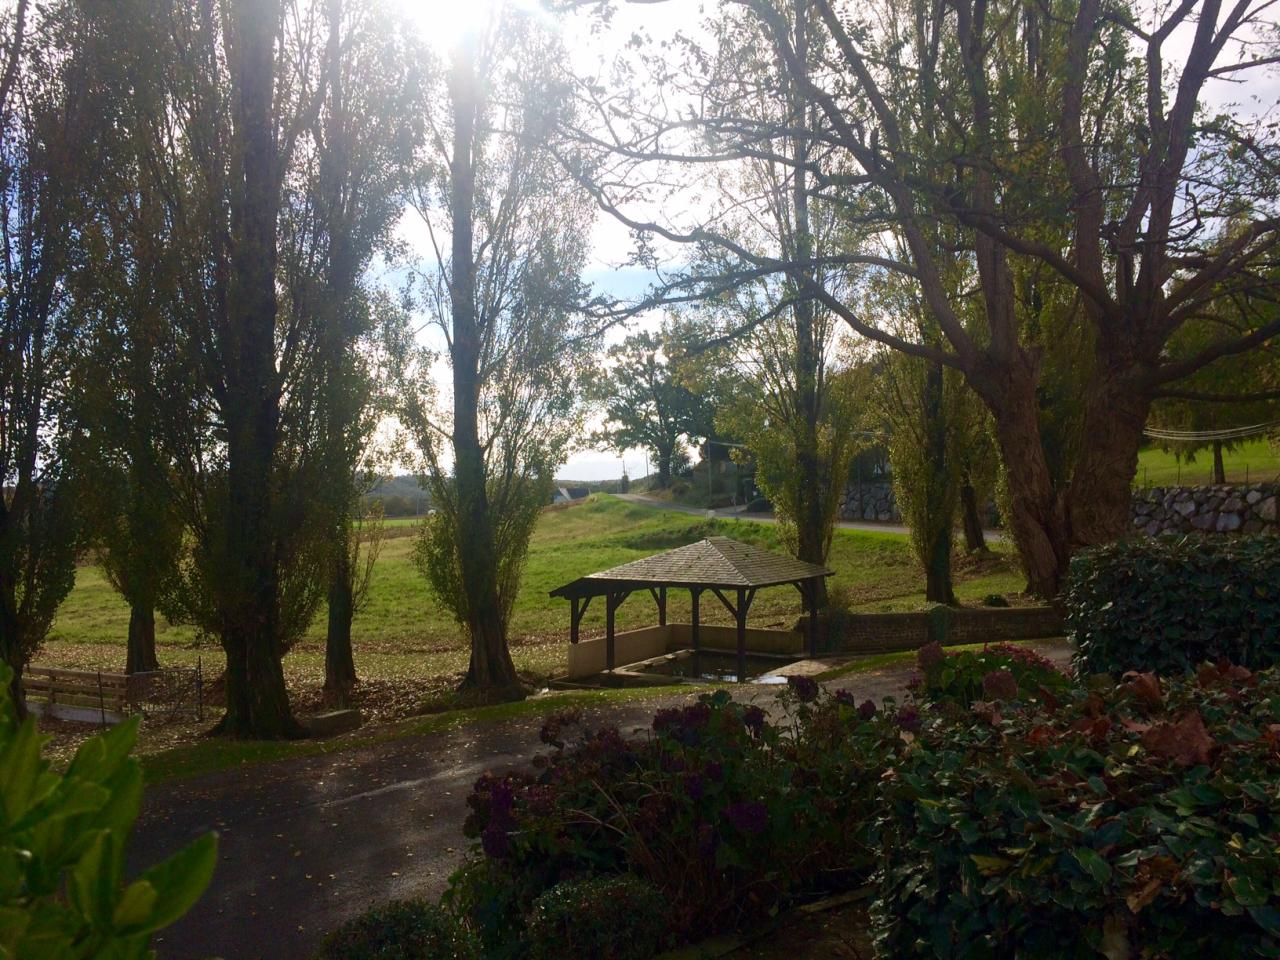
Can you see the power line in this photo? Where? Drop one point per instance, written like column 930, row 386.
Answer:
column 1230, row 433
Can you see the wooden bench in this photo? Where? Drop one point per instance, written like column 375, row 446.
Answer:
column 87, row 696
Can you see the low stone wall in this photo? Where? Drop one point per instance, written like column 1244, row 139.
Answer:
column 892, row 632
column 1217, row 509
column 870, row 501
column 587, row 657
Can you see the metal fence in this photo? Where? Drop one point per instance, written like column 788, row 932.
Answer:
column 172, row 692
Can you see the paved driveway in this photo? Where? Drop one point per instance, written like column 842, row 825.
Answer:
column 309, row 843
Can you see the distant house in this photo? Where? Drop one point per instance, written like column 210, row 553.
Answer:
column 569, row 494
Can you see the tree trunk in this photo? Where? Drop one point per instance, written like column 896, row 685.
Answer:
column 974, row 539
column 257, row 698
column 1101, row 492
column 941, row 504
column 1037, row 517
column 937, row 569
column 812, row 528
column 339, row 662
column 10, row 644
column 491, row 669
column 140, row 656
column 665, row 457
column 1219, row 468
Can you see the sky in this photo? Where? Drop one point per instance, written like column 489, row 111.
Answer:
column 443, row 21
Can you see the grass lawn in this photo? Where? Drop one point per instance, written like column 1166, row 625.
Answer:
column 409, row 651
column 1256, row 461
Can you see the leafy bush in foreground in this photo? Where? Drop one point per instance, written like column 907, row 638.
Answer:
column 725, row 814
column 1136, row 821
column 999, row 672
column 400, row 930
column 62, row 889
column 1168, row 604
column 616, row 917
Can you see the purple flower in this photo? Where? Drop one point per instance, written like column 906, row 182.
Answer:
column 867, row 709
column 1000, row 685
column 753, row 720
column 805, row 688
column 495, row 842
column 844, row 698
column 930, row 656
column 748, row 817
column 909, row 719
column 694, row 786
column 553, row 729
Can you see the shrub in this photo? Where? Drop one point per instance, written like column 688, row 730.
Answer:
column 62, row 889
column 598, row 918
column 1171, row 603
column 725, row 814
column 1131, row 821
column 1001, row 671
column 400, row 930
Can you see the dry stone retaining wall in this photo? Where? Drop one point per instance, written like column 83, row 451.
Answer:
column 1217, row 509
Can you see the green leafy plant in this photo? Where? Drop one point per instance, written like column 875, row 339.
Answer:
column 400, row 930
column 1168, row 604
column 617, row 917
column 726, row 814
column 1132, row 821
column 999, row 672
column 63, row 895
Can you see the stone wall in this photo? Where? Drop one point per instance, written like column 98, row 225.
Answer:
column 888, row 632
column 1217, row 509
column 871, row 502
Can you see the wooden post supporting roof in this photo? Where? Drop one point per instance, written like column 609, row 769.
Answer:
column 718, row 564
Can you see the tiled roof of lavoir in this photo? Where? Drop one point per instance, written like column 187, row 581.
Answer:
column 713, row 562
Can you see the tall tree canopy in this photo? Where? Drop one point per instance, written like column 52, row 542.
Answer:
column 509, row 234
column 646, row 403
column 1068, row 150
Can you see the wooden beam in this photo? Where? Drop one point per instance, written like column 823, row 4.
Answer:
column 612, row 602
column 695, row 593
column 662, row 606
column 725, row 600
column 811, row 599
column 744, row 601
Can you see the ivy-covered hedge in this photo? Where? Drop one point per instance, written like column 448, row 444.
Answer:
column 1141, row 821
column 1168, row 604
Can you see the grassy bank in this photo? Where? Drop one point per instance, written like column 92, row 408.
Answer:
column 409, row 650
column 1256, row 461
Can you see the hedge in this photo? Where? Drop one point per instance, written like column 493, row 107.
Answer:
column 1168, row 604
column 1139, row 821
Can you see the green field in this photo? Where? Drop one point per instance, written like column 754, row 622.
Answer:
column 404, row 635
column 1256, row 461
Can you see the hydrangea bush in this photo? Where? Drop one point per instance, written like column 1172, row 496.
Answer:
column 725, row 813
column 1139, row 820
column 998, row 672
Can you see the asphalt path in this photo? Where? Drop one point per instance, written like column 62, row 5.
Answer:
column 306, row 844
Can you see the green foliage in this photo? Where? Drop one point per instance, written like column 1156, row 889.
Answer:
column 400, row 930
column 515, row 503
column 646, row 404
column 1169, row 603
column 598, row 918
column 63, row 894
column 727, row 815
column 1129, row 821
column 1000, row 672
